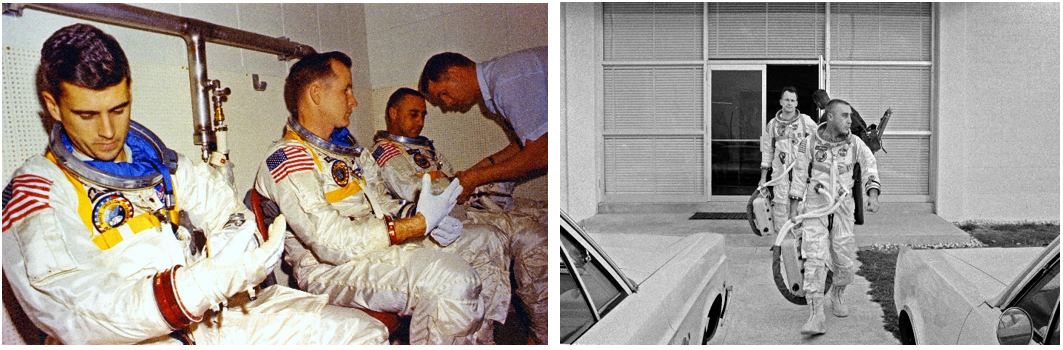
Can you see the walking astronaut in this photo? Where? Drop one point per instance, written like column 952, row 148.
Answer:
column 349, row 239
column 405, row 156
column 101, row 234
column 829, row 155
column 778, row 145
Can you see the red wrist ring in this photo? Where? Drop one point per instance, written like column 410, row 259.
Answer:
column 169, row 302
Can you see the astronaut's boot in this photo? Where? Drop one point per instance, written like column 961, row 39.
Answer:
column 836, row 301
column 816, row 323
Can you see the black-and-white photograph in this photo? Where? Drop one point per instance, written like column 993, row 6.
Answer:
column 809, row 173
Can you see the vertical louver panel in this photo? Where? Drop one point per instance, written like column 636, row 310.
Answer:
column 654, row 165
column 652, row 31
column 905, row 170
column 765, row 30
column 872, row 89
column 880, row 31
column 653, row 98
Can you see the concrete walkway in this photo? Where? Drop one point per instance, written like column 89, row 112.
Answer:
column 757, row 314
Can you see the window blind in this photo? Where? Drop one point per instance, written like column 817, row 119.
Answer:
column 905, row 170
column 653, row 98
column 880, row 31
column 654, row 165
column 872, row 89
column 652, row 31
column 765, row 30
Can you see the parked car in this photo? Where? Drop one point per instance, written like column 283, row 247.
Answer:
column 978, row 295
column 658, row 290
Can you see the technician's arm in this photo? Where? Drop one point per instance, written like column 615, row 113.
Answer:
column 532, row 157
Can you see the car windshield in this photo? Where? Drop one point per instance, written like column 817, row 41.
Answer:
column 580, row 266
column 1040, row 299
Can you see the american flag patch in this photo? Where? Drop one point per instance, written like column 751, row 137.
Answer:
column 26, row 194
column 288, row 160
column 385, row 152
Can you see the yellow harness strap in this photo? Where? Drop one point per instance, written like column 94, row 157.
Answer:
column 114, row 235
column 352, row 188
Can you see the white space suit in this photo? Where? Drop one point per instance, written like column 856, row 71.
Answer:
column 94, row 264
column 828, row 241
column 334, row 200
column 525, row 224
column 777, row 149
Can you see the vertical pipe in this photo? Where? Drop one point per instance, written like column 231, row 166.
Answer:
column 197, row 79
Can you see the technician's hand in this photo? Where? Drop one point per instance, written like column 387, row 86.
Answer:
column 448, row 231
column 468, row 185
column 435, row 208
column 872, row 202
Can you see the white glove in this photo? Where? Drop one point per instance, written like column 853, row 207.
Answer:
column 448, row 231
column 228, row 270
column 276, row 230
column 434, row 208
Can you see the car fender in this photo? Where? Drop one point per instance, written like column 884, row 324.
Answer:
column 665, row 298
column 915, row 317
column 709, row 290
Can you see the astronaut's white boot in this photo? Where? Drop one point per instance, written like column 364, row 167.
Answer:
column 816, row 323
column 837, row 305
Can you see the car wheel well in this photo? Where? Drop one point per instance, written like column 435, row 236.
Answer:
column 714, row 316
column 906, row 330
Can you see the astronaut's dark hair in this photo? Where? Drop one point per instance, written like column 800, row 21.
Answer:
column 399, row 94
column 82, row 55
column 790, row 89
column 830, row 105
column 396, row 97
column 308, row 70
column 437, row 66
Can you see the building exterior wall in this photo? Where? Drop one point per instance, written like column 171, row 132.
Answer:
column 998, row 112
column 160, row 77
column 994, row 152
column 401, row 37
column 579, row 172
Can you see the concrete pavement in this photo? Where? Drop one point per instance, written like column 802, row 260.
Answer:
column 757, row 313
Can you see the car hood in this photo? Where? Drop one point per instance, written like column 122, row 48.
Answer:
column 639, row 256
column 979, row 273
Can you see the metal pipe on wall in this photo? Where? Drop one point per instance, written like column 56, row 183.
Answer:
column 195, row 33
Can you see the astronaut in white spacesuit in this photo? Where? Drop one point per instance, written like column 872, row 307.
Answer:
column 405, row 156
column 111, row 237
column 777, row 150
column 354, row 242
column 830, row 154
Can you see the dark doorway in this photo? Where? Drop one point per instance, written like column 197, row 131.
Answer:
column 803, row 77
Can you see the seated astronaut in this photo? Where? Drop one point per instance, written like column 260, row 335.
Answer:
column 405, row 156
column 110, row 237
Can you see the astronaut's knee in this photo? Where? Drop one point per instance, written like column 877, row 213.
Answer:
column 456, row 279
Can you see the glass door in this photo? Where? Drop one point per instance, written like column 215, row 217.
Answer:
column 736, row 121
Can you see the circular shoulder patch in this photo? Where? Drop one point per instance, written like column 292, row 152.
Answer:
column 111, row 210
column 821, row 155
column 421, row 160
column 341, row 173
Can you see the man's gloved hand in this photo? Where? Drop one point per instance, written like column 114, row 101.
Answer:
column 276, row 233
column 434, row 208
column 229, row 269
column 447, row 231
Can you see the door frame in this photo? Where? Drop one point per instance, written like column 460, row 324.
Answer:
column 709, row 68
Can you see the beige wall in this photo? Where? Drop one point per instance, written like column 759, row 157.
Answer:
column 160, row 76
column 998, row 111
column 401, row 37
